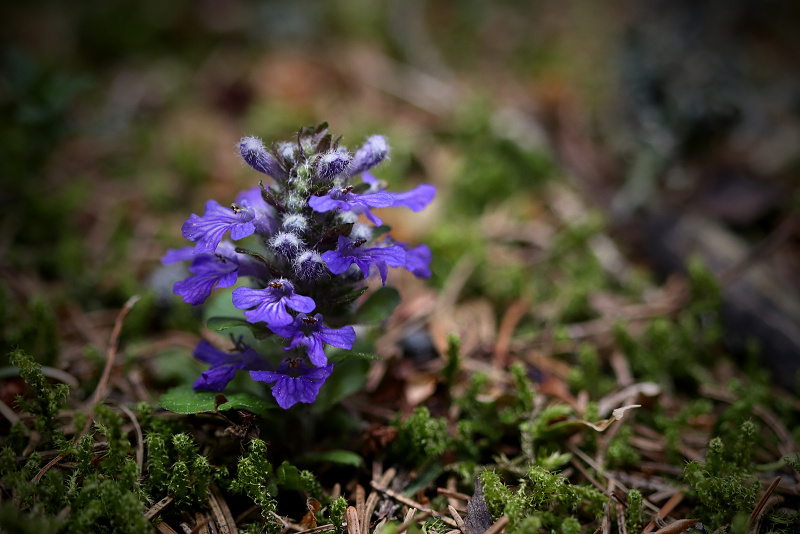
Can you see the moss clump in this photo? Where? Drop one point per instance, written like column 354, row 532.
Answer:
column 542, row 499
column 337, row 510
column 420, row 438
column 723, row 482
column 46, row 399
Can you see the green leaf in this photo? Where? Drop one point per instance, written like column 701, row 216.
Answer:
column 348, row 377
column 288, row 477
column 349, row 297
column 342, row 355
column 336, row 456
column 378, row 306
column 185, row 400
column 218, row 324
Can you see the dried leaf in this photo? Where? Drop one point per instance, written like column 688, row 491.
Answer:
column 616, row 415
column 309, row 520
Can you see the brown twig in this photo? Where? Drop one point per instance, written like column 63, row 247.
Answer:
column 374, row 495
column 164, row 528
column 221, row 512
column 157, row 507
column 316, row 530
column 139, row 436
column 453, row 494
column 668, row 507
column 498, row 525
column 201, row 524
column 769, row 505
column 411, row 519
column 361, row 509
column 352, row 520
column 676, row 527
column 512, row 317
column 457, row 518
column 413, row 504
column 763, row 500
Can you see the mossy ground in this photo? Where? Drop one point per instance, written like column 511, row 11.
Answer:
column 506, row 367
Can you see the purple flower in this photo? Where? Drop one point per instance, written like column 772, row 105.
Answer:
column 349, row 252
column 223, row 365
column 243, row 218
column 418, row 260
column 174, row 255
column 255, row 155
column 210, row 271
column 264, row 220
column 344, row 200
column 270, row 303
column 415, row 200
column 310, row 332
column 375, row 150
column 294, row 381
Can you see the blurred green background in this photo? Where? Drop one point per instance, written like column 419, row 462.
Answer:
column 120, row 118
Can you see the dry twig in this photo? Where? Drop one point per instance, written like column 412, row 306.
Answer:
column 413, row 504
column 99, row 392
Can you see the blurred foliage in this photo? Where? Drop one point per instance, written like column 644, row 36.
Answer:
column 119, row 118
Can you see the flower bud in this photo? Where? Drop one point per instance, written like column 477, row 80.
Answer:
column 309, row 265
column 332, row 164
column 361, row 231
column 295, row 222
column 375, row 150
column 286, row 244
column 346, row 217
column 288, row 151
column 255, row 155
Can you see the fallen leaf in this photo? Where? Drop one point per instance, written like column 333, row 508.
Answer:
column 616, row 415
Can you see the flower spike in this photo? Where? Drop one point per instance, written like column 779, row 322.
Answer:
column 304, row 245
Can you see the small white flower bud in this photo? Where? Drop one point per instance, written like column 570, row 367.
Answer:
column 295, row 222
column 286, row 244
column 344, row 217
column 309, row 265
column 361, row 231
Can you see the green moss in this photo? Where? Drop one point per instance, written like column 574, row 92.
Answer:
column 338, row 508
column 542, row 499
column 524, row 393
column 620, row 452
column 255, row 477
column 723, row 481
column 158, row 459
column 450, row 370
column 570, row 525
column 588, row 374
column 46, row 400
column 633, row 514
column 495, row 493
column 420, row 438
column 495, row 165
